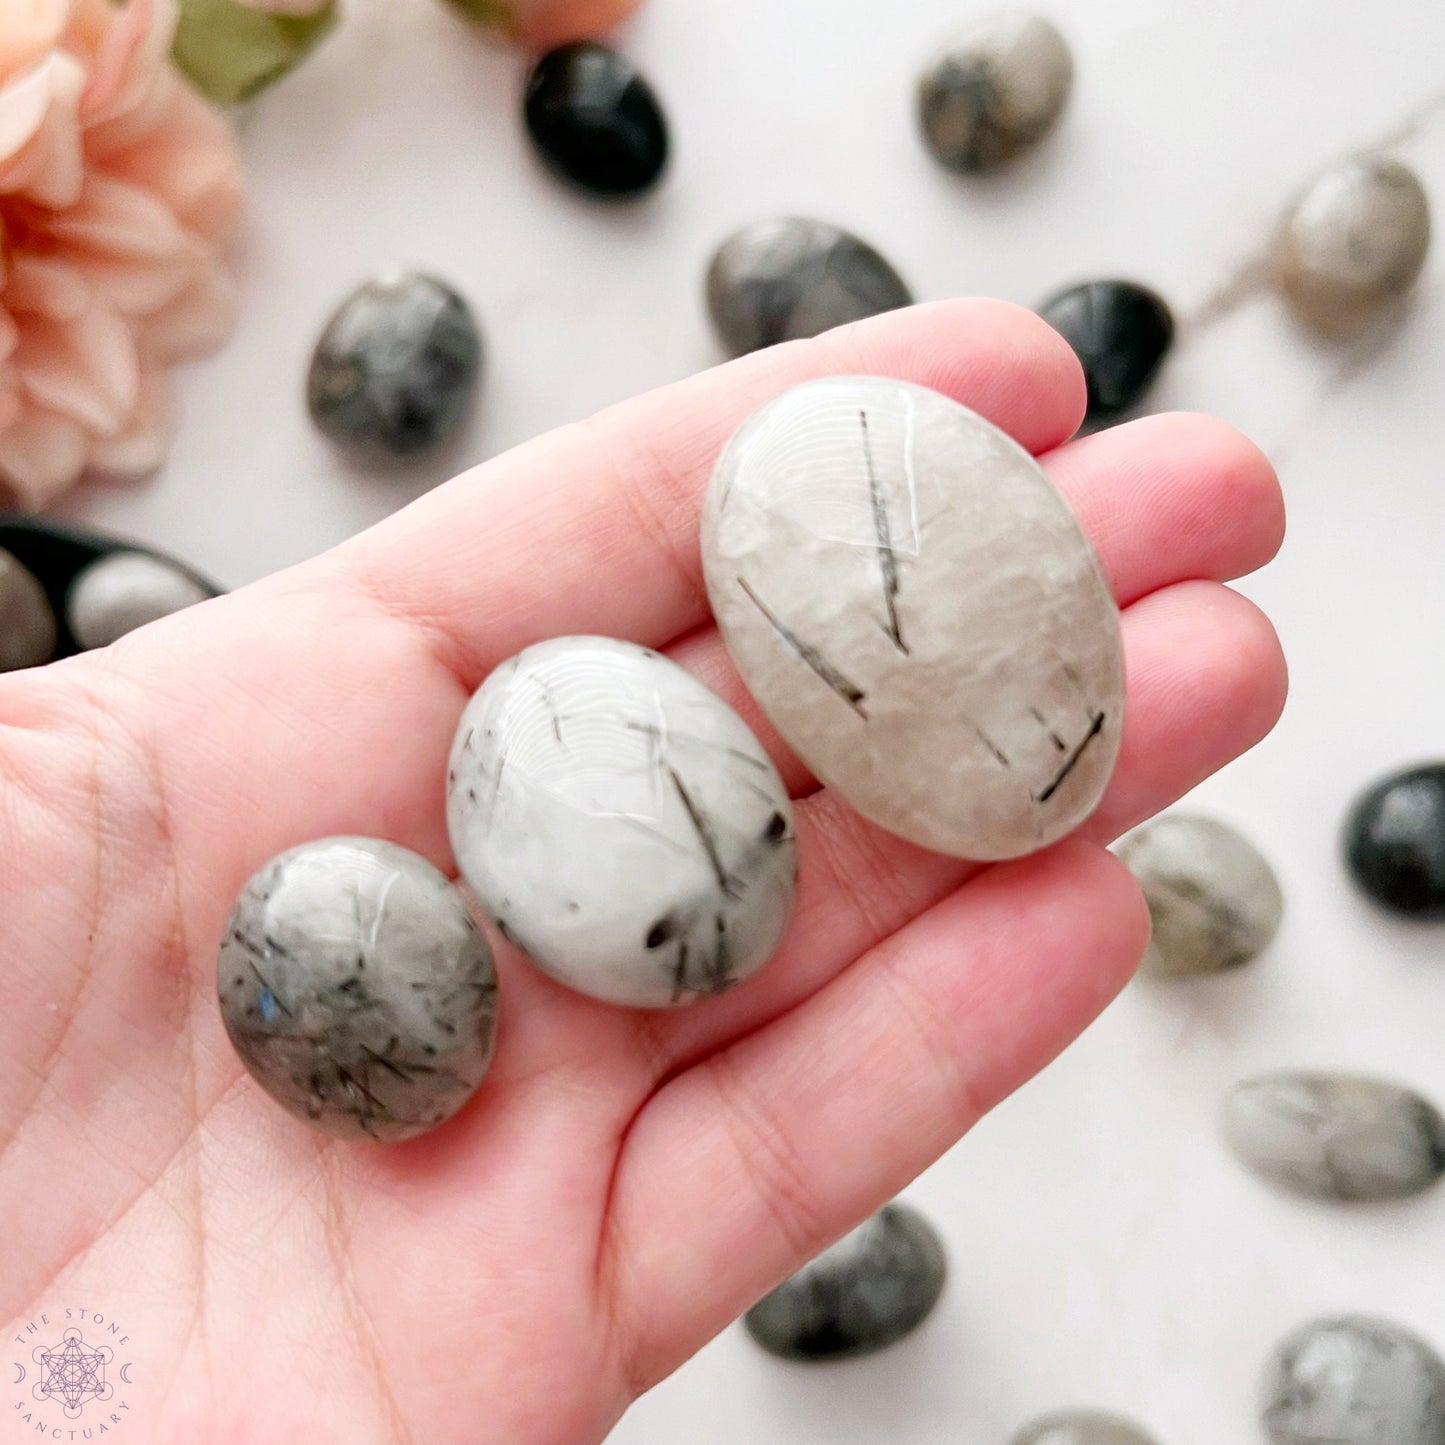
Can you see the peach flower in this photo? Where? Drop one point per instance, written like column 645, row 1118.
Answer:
column 117, row 185
column 545, row 23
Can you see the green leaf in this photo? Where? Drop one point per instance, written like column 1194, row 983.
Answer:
column 496, row 13
column 231, row 52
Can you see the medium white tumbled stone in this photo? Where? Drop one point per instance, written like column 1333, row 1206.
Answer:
column 620, row 823
column 117, row 593
column 916, row 609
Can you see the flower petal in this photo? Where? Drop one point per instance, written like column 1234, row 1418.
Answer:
column 45, row 163
column 86, row 370
column 139, row 450
column 41, row 454
column 46, row 286
column 29, row 33
column 114, row 217
column 195, row 323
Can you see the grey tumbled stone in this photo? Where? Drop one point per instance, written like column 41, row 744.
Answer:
column 1354, row 1380
column 620, row 823
column 357, row 989
column 874, row 1286
column 781, row 280
column 1352, row 246
column 1081, row 1427
column 917, row 611
column 998, row 89
column 1333, row 1136
column 1213, row 898
column 27, row 621
column 396, row 367
column 117, row 593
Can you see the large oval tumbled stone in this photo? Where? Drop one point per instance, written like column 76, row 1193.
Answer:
column 875, row 1285
column 1081, row 1427
column 620, row 823
column 1354, row 1380
column 1332, row 1136
column 1353, row 244
column 915, row 608
column 781, row 280
column 357, row 989
column 1213, row 898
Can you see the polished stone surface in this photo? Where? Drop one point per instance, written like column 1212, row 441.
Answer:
column 1082, row 1427
column 1353, row 244
column 1354, row 1380
column 125, row 590
column 1213, row 898
column 1395, row 842
column 357, row 989
column 1121, row 333
column 915, row 608
column 27, row 621
column 783, row 279
column 998, row 89
column 396, row 368
column 595, row 120
column 620, row 823
column 1335, row 1136
column 874, row 1286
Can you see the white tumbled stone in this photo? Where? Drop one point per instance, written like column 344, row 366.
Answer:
column 916, row 609
column 117, row 593
column 620, row 823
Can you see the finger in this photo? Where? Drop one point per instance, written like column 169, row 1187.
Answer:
column 1165, row 499
column 1206, row 681
column 593, row 528
column 742, row 1168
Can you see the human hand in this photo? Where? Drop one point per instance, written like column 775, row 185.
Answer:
column 623, row 1184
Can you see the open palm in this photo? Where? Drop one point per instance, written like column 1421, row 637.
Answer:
column 624, row 1183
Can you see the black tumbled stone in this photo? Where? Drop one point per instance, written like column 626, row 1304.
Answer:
column 1395, row 842
column 877, row 1284
column 595, row 120
column 1120, row 332
column 396, row 368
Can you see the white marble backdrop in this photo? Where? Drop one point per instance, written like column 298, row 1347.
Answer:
column 1104, row 1248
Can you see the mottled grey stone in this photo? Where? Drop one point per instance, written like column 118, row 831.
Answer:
column 1333, row 1136
column 620, row 823
column 875, row 1285
column 125, row 590
column 27, row 622
column 1353, row 244
column 1213, row 898
column 357, row 989
column 1082, row 1427
column 1354, row 1380
column 785, row 279
column 916, row 610
column 396, row 368
column 998, row 89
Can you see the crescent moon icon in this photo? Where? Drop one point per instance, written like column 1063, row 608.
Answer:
column 123, row 1374
column 19, row 1373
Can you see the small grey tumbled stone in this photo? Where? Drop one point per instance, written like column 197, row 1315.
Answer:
column 1213, row 898
column 785, row 279
column 1332, row 1136
column 998, row 89
column 125, row 590
column 1081, row 1427
column 27, row 621
column 1353, row 244
column 396, row 368
column 918, row 612
column 620, row 823
column 357, row 989
column 875, row 1285
column 1354, row 1380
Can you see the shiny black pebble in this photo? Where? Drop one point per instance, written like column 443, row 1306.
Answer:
column 595, row 120
column 873, row 1287
column 1121, row 333
column 57, row 553
column 396, row 369
column 1395, row 842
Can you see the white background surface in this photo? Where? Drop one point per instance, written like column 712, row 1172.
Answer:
column 1104, row 1248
